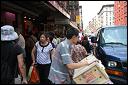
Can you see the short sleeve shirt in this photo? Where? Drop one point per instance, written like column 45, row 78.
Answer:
column 21, row 41
column 43, row 53
column 59, row 73
column 9, row 52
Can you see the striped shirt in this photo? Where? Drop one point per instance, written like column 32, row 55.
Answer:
column 43, row 53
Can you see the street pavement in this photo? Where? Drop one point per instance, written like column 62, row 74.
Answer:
column 18, row 80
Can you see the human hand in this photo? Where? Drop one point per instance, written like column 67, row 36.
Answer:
column 91, row 58
column 90, row 62
column 100, row 64
column 84, row 61
column 33, row 63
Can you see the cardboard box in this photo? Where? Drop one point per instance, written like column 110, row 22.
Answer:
column 92, row 74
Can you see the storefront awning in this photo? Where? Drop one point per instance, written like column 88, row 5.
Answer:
column 66, row 22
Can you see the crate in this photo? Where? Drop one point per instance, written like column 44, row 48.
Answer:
column 92, row 74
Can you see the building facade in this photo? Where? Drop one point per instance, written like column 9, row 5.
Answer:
column 120, row 13
column 80, row 18
column 39, row 15
column 106, row 15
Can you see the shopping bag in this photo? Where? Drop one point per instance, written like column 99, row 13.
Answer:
column 33, row 75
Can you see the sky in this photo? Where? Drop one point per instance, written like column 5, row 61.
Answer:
column 90, row 9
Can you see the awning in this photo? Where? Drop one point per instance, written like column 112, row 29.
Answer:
column 66, row 22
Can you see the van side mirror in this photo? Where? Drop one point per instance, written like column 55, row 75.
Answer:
column 94, row 39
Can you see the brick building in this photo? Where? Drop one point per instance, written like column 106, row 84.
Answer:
column 120, row 13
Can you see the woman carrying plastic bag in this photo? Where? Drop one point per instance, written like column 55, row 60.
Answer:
column 33, row 75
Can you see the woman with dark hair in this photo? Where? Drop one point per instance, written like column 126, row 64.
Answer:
column 78, row 53
column 86, row 44
column 50, row 38
column 30, row 42
column 41, row 55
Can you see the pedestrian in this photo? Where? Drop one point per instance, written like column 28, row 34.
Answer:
column 41, row 55
column 78, row 52
column 30, row 42
column 11, row 56
column 55, row 41
column 51, row 36
column 21, row 40
column 62, row 63
column 86, row 44
column 62, row 38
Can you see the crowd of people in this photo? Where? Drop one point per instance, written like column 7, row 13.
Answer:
column 56, row 58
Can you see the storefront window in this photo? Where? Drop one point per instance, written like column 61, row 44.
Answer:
column 30, row 25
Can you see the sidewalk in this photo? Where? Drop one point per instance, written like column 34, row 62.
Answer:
column 18, row 80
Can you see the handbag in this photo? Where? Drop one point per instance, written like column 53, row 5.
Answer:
column 33, row 75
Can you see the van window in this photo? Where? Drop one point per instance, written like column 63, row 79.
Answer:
column 114, row 35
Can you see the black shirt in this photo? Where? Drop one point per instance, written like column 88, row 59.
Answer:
column 87, row 46
column 9, row 52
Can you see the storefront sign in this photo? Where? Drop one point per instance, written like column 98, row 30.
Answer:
column 78, row 19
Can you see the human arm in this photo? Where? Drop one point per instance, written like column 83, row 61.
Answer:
column 76, row 65
column 22, row 67
column 52, row 53
column 33, row 55
column 86, row 61
column 67, row 59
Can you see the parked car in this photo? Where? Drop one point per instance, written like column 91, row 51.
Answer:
column 111, row 49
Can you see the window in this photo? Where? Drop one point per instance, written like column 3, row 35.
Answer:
column 106, row 19
column 106, row 9
column 114, row 34
column 126, row 18
column 125, row 10
column 106, row 14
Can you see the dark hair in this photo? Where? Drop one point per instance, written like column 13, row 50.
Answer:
column 71, row 32
column 51, row 35
column 86, row 38
column 30, row 33
column 43, row 33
